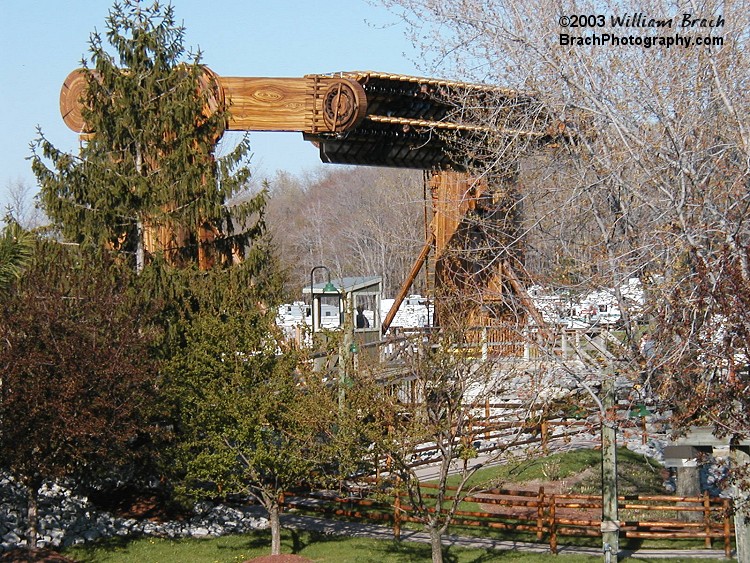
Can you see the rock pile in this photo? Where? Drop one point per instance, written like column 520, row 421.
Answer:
column 66, row 519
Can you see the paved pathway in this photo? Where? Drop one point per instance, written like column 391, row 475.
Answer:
column 363, row 530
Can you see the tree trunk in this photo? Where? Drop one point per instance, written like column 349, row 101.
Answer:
column 140, row 250
column 610, row 525
column 740, row 460
column 742, row 534
column 273, row 517
column 32, row 513
column 688, row 485
column 437, row 545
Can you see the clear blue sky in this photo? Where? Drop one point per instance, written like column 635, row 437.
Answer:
column 41, row 41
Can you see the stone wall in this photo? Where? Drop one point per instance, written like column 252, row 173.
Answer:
column 67, row 519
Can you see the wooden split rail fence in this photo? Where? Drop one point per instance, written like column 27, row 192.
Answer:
column 540, row 516
column 548, row 432
column 548, row 435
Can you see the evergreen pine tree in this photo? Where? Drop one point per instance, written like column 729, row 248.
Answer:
column 146, row 185
column 145, row 181
column 16, row 246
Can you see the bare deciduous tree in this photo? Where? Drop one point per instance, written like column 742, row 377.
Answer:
column 21, row 205
column 655, row 184
column 358, row 221
column 448, row 417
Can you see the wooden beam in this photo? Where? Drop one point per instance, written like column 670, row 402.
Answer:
column 267, row 104
column 510, row 274
column 312, row 104
column 407, row 283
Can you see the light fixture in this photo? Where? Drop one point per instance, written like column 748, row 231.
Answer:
column 639, row 411
column 328, row 288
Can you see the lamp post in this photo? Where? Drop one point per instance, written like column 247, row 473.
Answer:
column 344, row 347
column 329, row 287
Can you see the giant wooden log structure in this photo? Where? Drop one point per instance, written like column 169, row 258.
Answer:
column 380, row 119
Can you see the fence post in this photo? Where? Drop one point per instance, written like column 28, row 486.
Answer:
column 545, row 434
column 397, row 514
column 707, row 517
column 727, row 529
column 552, row 525
column 486, row 418
column 526, row 349
column 540, row 514
column 485, row 344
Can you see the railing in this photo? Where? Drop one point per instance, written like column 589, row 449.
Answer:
column 507, row 341
column 542, row 517
column 486, row 436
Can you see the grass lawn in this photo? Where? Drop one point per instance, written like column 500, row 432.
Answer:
column 317, row 547
column 635, row 473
